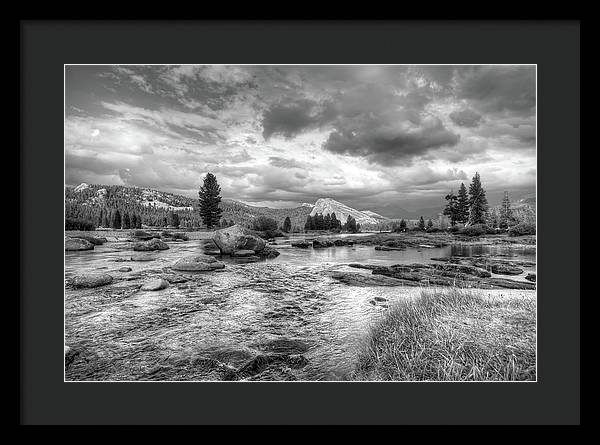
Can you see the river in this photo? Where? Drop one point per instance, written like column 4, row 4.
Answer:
column 127, row 334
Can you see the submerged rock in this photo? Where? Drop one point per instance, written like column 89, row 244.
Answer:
column 198, row 263
column 387, row 248
column 505, row 269
column 125, row 269
column 268, row 367
column 531, row 277
column 75, row 244
column 157, row 284
column 153, row 244
column 303, row 244
column 237, row 238
column 242, row 253
column 268, row 252
column 363, row 280
column 322, row 242
column 95, row 240
column 91, row 280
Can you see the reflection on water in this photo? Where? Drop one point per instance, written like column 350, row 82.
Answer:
column 133, row 333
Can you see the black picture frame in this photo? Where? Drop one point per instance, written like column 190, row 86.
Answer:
column 47, row 45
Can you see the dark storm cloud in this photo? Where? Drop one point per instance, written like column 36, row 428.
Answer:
column 386, row 144
column 291, row 118
column 466, row 118
column 498, row 88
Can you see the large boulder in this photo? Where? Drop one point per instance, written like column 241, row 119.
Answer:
column 153, row 244
column 235, row 238
column 91, row 280
column 198, row 263
column 74, row 244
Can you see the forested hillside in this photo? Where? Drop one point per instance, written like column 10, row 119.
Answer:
column 96, row 203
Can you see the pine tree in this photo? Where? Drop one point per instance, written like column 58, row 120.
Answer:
column 116, row 219
column 478, row 205
column 138, row 223
column 133, row 221
column 335, row 223
column 451, row 210
column 287, row 224
column 174, row 219
column 327, row 222
column 350, row 225
column 126, row 221
column 421, row 223
column 505, row 212
column 462, row 204
column 402, row 225
column 308, row 225
column 100, row 218
column 429, row 224
column 209, row 201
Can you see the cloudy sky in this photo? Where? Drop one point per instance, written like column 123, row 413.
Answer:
column 383, row 138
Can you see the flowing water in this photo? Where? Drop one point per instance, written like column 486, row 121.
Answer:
column 231, row 315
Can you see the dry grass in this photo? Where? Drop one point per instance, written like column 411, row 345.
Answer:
column 452, row 335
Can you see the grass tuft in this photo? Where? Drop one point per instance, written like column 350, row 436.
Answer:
column 452, row 335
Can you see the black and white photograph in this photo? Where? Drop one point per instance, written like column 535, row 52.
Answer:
column 308, row 223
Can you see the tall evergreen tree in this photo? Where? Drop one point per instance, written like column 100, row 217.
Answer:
column 451, row 210
column 350, row 225
column 421, row 223
column 116, row 219
column 402, row 225
column 335, row 223
column 308, row 225
column 133, row 221
column 100, row 218
column 126, row 221
column 505, row 212
column 327, row 222
column 174, row 219
column 209, row 201
column 478, row 205
column 138, row 222
column 287, row 224
column 429, row 224
column 462, row 204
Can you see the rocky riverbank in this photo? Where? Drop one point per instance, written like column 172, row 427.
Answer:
column 447, row 275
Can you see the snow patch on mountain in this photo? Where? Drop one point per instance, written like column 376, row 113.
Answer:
column 81, row 187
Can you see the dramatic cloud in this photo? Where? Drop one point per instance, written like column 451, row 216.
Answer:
column 466, row 118
column 382, row 137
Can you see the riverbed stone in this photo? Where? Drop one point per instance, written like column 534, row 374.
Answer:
column 242, row 253
column 198, row 263
column 76, row 244
column 301, row 244
column 91, row 280
column 505, row 269
column 322, row 243
column 268, row 252
column 531, row 277
column 124, row 269
column 235, row 238
column 153, row 244
column 157, row 284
